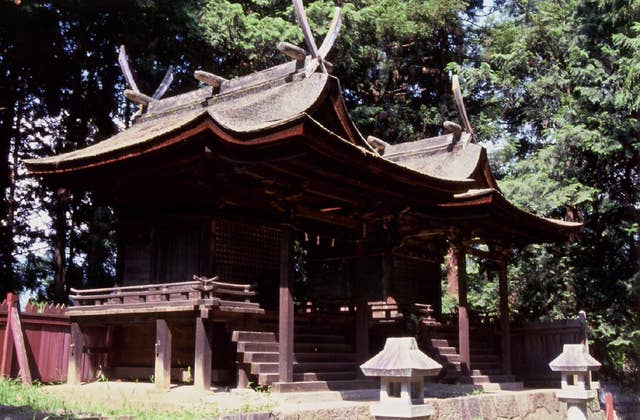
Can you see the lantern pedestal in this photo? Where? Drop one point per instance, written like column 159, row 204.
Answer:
column 402, row 368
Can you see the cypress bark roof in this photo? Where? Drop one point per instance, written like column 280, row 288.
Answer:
column 280, row 111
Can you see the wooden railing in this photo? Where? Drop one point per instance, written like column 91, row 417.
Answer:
column 382, row 311
column 199, row 288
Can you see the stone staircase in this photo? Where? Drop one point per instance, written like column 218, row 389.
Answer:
column 322, row 361
column 486, row 367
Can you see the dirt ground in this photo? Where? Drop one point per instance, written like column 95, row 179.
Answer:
column 146, row 395
column 142, row 397
column 187, row 399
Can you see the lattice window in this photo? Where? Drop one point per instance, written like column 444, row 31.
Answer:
column 246, row 253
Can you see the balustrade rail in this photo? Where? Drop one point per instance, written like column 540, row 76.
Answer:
column 199, row 288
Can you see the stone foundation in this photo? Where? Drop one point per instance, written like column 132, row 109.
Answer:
column 525, row 405
column 521, row 405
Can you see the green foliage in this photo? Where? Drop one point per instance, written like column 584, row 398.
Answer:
column 557, row 80
column 449, row 302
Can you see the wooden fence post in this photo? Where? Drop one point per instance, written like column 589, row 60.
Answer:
column 18, row 342
column 608, row 403
column 76, row 347
column 7, row 348
column 584, row 340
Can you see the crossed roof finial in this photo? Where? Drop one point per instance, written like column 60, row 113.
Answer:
column 134, row 94
column 457, row 94
column 318, row 55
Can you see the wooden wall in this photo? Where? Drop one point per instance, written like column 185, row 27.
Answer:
column 416, row 281
column 161, row 250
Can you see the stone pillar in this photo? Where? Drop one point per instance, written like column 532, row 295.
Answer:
column 285, row 314
column 505, row 326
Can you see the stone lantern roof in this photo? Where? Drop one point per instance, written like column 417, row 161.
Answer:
column 401, row 357
column 574, row 359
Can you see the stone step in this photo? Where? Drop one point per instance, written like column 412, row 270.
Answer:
column 260, row 357
column 272, row 357
column 324, row 385
column 447, row 350
column 253, row 336
column 439, row 342
column 451, row 358
column 260, row 368
column 504, row 386
column 482, row 379
column 253, row 347
column 270, row 378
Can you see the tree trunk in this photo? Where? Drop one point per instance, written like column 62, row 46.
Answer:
column 60, row 246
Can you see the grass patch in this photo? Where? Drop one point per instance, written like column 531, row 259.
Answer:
column 14, row 394
column 35, row 401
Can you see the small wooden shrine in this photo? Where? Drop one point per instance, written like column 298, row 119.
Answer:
column 304, row 237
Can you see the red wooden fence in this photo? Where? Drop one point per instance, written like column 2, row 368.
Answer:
column 46, row 332
column 46, row 337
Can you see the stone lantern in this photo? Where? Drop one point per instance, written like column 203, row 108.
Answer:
column 575, row 365
column 401, row 367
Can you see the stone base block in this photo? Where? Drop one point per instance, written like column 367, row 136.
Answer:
column 401, row 411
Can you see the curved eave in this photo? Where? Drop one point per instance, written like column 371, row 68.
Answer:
column 340, row 149
column 497, row 213
column 485, row 173
column 286, row 138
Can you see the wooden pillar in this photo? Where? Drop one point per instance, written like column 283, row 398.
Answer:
column 505, row 327
column 285, row 315
column 74, row 372
column 203, row 355
column 463, row 314
column 387, row 275
column 362, row 308
column 7, row 346
column 162, row 372
column 452, row 272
